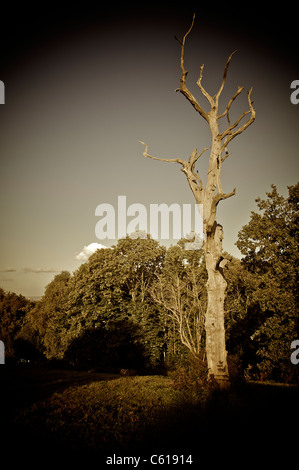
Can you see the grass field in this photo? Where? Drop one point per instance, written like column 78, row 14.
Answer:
column 93, row 415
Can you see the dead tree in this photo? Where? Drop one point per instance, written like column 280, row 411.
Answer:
column 181, row 299
column 210, row 196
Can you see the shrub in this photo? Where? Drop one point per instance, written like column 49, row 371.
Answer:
column 235, row 369
column 192, row 380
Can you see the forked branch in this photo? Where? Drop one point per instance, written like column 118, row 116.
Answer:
column 226, row 112
column 212, row 194
column 193, row 178
column 212, row 115
column 229, row 134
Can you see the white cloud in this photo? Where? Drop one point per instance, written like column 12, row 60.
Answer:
column 89, row 250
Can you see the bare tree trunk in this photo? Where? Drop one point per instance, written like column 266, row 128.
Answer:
column 216, row 285
column 214, row 320
column 209, row 196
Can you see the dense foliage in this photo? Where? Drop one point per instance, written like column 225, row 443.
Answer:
column 270, row 245
column 139, row 306
column 13, row 311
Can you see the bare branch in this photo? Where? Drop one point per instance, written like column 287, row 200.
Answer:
column 222, row 196
column 224, row 77
column 216, row 199
column 194, row 157
column 226, row 112
column 204, row 92
column 229, row 133
column 190, row 169
column 193, row 101
column 225, row 156
column 189, row 30
column 193, row 178
column 171, row 160
column 231, row 127
column 183, row 89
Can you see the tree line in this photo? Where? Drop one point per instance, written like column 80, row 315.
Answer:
column 141, row 306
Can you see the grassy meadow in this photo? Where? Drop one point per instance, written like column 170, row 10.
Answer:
column 90, row 415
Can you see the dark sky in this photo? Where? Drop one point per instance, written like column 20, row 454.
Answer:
column 83, row 85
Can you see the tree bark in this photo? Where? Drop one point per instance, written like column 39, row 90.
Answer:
column 214, row 320
column 216, row 353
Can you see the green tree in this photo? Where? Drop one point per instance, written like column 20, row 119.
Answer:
column 43, row 326
column 109, row 292
column 242, row 316
column 269, row 243
column 141, row 259
column 13, row 310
